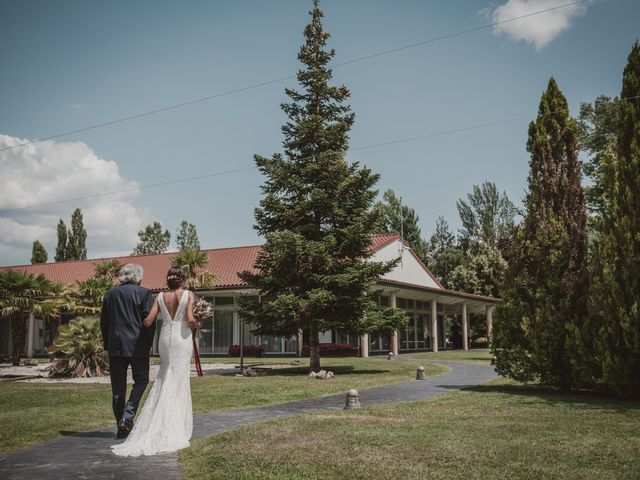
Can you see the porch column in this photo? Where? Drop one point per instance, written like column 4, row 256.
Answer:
column 465, row 328
column 30, row 328
column 299, row 344
column 364, row 345
column 489, row 314
column 434, row 325
column 394, row 337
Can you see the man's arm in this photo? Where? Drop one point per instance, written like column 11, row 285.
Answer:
column 104, row 324
column 147, row 307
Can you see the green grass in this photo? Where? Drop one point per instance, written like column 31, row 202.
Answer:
column 236, row 360
column 500, row 430
column 32, row 412
column 475, row 355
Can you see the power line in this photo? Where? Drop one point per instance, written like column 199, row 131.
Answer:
column 288, row 77
column 246, row 169
column 130, row 189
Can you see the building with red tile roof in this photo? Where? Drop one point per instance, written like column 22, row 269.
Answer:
column 410, row 286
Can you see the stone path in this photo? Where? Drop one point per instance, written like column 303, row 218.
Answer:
column 86, row 455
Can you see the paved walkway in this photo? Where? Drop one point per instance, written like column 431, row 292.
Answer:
column 86, row 455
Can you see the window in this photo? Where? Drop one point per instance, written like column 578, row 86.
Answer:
column 223, row 300
column 249, row 338
column 206, row 336
column 222, row 331
column 384, row 301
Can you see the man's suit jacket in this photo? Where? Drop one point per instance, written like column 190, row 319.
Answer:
column 123, row 310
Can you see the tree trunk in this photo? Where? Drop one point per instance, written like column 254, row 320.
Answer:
column 18, row 336
column 314, row 348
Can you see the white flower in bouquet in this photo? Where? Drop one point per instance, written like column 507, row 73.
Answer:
column 202, row 309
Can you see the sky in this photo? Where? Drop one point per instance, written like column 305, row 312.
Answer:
column 70, row 64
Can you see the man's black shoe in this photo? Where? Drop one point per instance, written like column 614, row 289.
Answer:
column 124, row 428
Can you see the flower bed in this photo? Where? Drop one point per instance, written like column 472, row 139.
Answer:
column 248, row 351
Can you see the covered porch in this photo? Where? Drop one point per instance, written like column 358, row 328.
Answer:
column 431, row 314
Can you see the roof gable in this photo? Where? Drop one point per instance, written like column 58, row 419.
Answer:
column 410, row 269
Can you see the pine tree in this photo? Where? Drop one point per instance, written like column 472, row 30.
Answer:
column 61, row 247
column 616, row 298
column 316, row 215
column 187, row 237
column 152, row 240
column 38, row 253
column 77, row 238
column 546, row 285
column 394, row 216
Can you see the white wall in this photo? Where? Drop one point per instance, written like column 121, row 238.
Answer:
column 409, row 270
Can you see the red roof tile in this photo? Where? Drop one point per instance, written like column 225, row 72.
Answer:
column 225, row 263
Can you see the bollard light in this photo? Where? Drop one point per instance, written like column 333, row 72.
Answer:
column 420, row 374
column 390, row 357
column 353, row 399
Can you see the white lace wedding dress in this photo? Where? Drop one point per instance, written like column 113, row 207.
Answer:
column 165, row 423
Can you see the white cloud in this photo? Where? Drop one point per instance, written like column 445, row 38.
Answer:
column 77, row 106
column 47, row 172
column 537, row 30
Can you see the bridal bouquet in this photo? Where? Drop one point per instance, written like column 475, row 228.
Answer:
column 202, row 310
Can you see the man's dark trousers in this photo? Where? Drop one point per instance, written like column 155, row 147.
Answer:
column 140, row 371
column 128, row 342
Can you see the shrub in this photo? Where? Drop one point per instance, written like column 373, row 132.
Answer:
column 334, row 350
column 78, row 350
column 480, row 342
column 248, row 351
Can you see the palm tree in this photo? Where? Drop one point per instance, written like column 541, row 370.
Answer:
column 21, row 294
column 193, row 263
column 109, row 269
column 88, row 297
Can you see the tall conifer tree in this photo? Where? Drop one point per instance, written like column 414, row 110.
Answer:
column 546, row 287
column 61, row 247
column 617, row 270
column 316, row 215
column 77, row 238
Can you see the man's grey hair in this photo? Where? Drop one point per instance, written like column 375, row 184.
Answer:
column 131, row 273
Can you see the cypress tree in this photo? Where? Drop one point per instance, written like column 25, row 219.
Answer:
column 616, row 298
column 316, row 215
column 77, row 243
column 61, row 247
column 546, row 286
column 38, row 253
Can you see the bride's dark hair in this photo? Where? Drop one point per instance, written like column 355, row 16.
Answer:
column 175, row 277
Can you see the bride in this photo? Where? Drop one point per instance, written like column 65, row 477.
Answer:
column 165, row 423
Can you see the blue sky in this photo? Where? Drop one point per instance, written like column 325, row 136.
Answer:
column 70, row 64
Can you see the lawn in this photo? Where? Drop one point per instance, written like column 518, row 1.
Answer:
column 475, row 355
column 500, row 430
column 32, row 412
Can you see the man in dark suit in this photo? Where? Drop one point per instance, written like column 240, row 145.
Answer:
column 128, row 342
